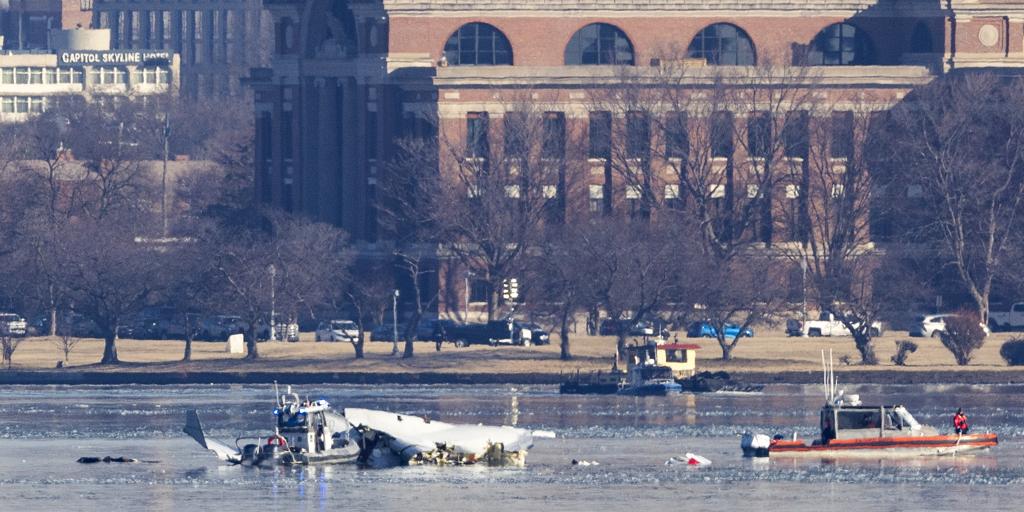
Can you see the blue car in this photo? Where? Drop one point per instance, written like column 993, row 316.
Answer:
column 705, row 329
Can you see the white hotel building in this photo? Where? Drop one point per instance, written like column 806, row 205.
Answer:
column 80, row 64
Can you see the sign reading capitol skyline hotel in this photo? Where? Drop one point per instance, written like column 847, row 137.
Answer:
column 114, row 58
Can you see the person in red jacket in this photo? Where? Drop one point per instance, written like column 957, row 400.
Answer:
column 960, row 422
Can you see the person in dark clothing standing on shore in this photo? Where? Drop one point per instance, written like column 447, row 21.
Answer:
column 960, row 425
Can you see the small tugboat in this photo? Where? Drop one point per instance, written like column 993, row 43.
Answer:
column 851, row 429
column 309, row 432
column 652, row 369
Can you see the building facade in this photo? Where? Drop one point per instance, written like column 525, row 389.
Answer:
column 218, row 40
column 26, row 24
column 348, row 78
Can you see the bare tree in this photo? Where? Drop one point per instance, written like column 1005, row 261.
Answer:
column 107, row 274
column 369, row 293
column 279, row 261
column 958, row 143
column 66, row 343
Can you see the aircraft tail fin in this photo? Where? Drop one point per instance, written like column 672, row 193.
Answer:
column 194, row 428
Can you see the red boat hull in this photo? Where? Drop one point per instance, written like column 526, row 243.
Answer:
column 885, row 446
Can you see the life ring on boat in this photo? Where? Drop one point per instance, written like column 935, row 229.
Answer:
column 275, row 440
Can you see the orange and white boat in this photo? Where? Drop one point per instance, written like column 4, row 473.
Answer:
column 851, row 429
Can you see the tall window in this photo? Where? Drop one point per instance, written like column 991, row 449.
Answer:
column 638, row 135
column 478, row 44
column 840, row 44
column 759, row 134
column 600, row 134
column 599, row 43
column 842, row 135
column 515, row 128
column 477, row 145
column 553, row 146
column 677, row 138
column 721, row 134
column 795, row 134
column 723, row 44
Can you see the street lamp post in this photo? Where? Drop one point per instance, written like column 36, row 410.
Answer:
column 394, row 323
column 163, row 186
column 273, row 273
column 803, row 291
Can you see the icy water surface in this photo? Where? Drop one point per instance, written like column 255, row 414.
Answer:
column 43, row 431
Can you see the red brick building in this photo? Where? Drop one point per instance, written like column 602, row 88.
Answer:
column 350, row 77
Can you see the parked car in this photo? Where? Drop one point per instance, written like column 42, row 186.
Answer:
column 705, row 329
column 495, row 332
column 612, row 327
column 337, row 330
column 12, row 324
column 932, row 326
column 219, row 327
column 434, row 329
column 1006, row 317
column 825, row 325
column 386, row 332
column 538, row 335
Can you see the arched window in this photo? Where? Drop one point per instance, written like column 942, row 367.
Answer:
column 599, row 43
column 478, row 44
column 921, row 39
column 723, row 44
column 840, row 44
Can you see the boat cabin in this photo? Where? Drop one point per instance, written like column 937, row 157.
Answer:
column 860, row 421
column 680, row 358
column 305, row 427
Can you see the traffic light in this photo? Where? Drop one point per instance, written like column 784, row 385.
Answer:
column 510, row 289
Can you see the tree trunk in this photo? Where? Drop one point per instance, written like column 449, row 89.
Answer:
column 53, row 319
column 358, row 344
column 109, row 348
column 408, row 346
column 251, row 349
column 187, row 356
column 864, row 346
column 726, row 349
column 563, row 334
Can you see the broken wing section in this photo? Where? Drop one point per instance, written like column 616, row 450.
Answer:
column 194, row 428
column 419, row 440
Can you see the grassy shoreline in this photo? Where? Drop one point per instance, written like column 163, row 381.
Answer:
column 768, row 358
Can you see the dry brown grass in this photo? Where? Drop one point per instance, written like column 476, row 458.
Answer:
column 772, row 352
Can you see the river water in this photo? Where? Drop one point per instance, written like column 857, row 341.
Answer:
column 45, row 429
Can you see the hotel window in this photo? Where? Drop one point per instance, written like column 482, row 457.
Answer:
column 21, row 76
column 477, row 145
column 723, row 44
column 599, row 43
column 600, row 134
column 795, row 134
column 515, row 129
column 721, row 134
column 108, row 75
column 477, row 44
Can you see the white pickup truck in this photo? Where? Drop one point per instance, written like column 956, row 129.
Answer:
column 825, row 325
column 1006, row 318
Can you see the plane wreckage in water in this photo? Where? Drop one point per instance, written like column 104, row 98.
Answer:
column 310, row 432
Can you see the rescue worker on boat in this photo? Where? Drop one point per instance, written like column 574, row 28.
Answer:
column 960, row 425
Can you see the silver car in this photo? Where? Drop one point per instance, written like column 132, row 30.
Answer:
column 337, row 330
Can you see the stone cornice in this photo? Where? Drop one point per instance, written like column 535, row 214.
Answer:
column 647, row 7
column 590, row 76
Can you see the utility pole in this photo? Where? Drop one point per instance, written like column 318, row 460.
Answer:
column 163, row 188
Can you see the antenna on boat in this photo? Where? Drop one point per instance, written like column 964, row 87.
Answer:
column 828, row 376
column 277, row 394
